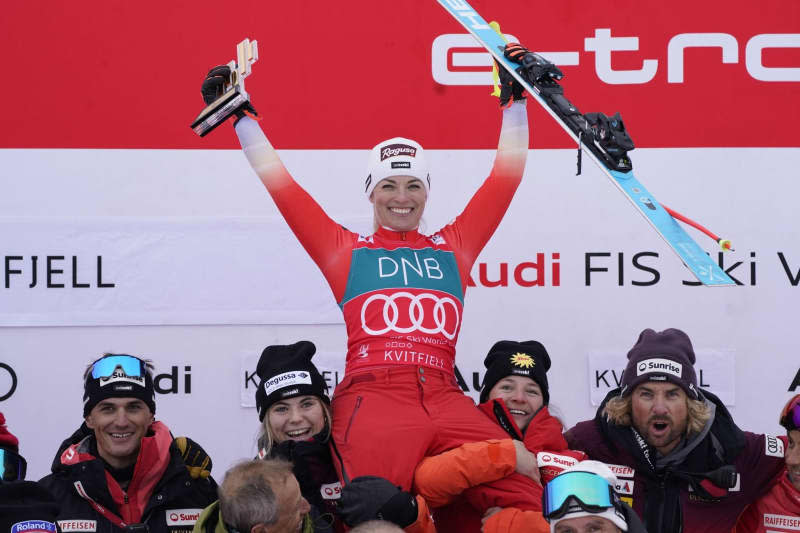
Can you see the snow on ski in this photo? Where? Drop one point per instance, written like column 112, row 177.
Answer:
column 611, row 157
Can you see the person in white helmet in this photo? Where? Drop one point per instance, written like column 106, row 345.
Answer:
column 582, row 499
column 402, row 294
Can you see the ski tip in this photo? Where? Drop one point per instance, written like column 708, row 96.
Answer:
column 725, row 245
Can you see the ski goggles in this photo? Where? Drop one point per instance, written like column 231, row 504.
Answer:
column 105, row 367
column 790, row 416
column 590, row 491
column 12, row 466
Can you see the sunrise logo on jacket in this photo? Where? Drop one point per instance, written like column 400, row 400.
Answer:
column 182, row 517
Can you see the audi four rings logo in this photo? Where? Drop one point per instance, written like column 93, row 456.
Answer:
column 416, row 314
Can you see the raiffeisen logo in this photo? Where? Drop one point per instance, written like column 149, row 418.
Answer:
column 457, row 59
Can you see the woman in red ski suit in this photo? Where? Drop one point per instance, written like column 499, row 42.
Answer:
column 402, row 295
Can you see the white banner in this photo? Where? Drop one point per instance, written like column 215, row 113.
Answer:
column 206, row 273
column 104, row 271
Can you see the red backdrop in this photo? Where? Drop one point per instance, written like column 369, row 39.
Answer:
column 113, row 74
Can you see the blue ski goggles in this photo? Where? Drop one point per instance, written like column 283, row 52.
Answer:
column 12, row 466
column 590, row 491
column 105, row 367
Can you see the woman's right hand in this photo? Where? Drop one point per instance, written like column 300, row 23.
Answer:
column 526, row 462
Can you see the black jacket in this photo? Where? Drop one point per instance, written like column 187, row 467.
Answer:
column 686, row 491
column 168, row 503
column 317, row 477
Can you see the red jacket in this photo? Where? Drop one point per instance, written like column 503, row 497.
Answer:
column 442, row 478
column 777, row 511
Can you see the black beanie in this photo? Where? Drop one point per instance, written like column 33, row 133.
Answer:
column 661, row 356
column 286, row 372
column 118, row 385
column 27, row 507
column 527, row 359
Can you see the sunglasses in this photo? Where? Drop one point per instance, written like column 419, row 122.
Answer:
column 12, row 466
column 790, row 416
column 106, row 366
column 590, row 491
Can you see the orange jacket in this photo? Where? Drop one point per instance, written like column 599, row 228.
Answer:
column 442, row 478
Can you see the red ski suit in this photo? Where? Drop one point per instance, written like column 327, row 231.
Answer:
column 442, row 479
column 777, row 511
column 402, row 297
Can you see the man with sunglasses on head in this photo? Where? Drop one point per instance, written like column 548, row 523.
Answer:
column 122, row 470
column 779, row 509
column 582, row 499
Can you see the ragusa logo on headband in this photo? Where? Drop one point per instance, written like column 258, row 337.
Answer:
column 393, row 150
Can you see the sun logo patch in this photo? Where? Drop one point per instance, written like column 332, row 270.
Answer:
column 523, row 360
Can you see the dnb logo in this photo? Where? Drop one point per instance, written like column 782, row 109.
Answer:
column 405, row 312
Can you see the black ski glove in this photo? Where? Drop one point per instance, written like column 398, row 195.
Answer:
column 198, row 463
column 510, row 88
column 375, row 498
column 214, row 86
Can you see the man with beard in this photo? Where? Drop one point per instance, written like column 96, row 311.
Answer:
column 681, row 461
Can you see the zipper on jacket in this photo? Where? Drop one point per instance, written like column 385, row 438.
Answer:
column 352, row 417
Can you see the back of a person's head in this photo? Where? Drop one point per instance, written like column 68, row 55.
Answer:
column 376, row 526
column 248, row 494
